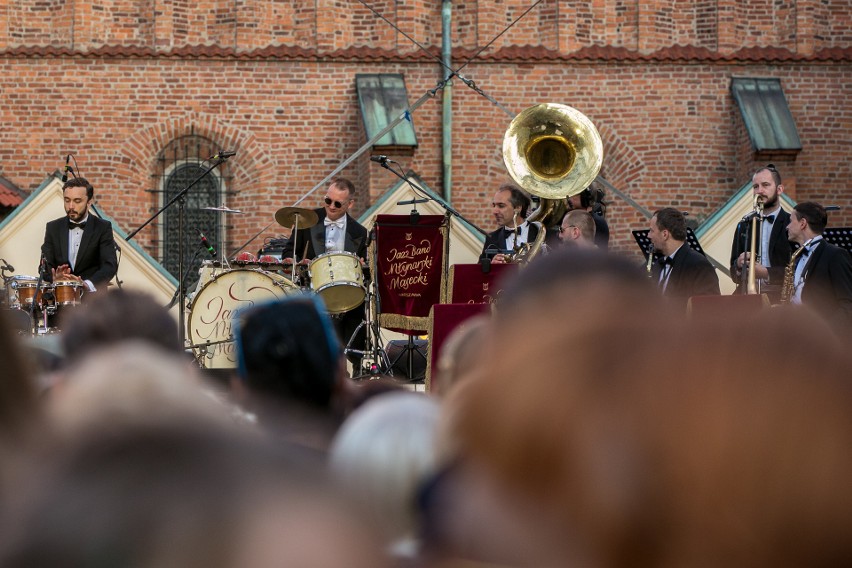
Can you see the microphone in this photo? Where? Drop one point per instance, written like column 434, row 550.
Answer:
column 485, row 263
column 42, row 268
column 206, row 244
column 223, row 155
column 65, row 170
column 412, row 202
column 381, row 159
column 6, row 266
column 414, row 217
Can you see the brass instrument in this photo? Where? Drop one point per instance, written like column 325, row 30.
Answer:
column 527, row 251
column 650, row 262
column 553, row 151
column 787, row 287
column 756, row 225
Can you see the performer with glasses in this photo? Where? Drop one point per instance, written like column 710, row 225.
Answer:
column 335, row 231
column 578, row 229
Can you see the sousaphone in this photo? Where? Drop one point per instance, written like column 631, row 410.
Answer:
column 553, row 151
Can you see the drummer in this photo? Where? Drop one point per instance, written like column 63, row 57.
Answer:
column 335, row 231
column 79, row 247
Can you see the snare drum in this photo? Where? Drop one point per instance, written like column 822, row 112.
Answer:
column 244, row 258
column 338, row 279
column 212, row 310
column 68, row 292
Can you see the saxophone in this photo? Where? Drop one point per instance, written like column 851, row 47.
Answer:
column 789, row 274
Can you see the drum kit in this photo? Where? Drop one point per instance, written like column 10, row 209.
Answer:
column 246, row 280
column 34, row 303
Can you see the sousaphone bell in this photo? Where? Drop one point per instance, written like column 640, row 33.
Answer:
column 553, row 151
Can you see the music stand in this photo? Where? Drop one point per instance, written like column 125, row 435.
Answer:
column 644, row 243
column 840, row 236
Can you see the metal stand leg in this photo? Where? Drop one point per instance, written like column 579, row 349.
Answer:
column 374, row 360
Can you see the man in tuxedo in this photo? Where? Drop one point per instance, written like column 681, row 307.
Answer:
column 79, row 246
column 335, row 230
column 823, row 272
column 682, row 272
column 509, row 208
column 772, row 243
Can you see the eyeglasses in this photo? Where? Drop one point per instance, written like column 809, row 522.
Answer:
column 563, row 229
column 337, row 204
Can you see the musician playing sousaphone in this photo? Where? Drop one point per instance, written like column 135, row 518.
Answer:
column 335, row 230
column 79, row 247
column 509, row 208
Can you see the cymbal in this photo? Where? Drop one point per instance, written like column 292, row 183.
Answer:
column 286, row 217
column 223, row 209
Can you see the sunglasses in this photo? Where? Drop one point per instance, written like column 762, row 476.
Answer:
column 337, row 204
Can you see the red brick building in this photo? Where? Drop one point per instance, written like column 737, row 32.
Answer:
column 131, row 86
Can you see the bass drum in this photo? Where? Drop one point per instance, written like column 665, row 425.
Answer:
column 210, row 326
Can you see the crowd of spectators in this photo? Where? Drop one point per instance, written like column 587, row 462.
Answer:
column 585, row 422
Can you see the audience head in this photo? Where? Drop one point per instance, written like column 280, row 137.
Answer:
column 287, row 350
column 382, row 454
column 460, row 354
column 115, row 317
column 179, row 493
column 691, row 460
column 132, row 382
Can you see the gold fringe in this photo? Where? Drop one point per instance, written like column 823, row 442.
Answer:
column 399, row 321
column 431, row 334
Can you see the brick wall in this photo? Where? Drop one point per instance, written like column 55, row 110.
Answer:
column 119, row 80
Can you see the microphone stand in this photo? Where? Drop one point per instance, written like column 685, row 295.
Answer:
column 426, row 197
column 180, row 198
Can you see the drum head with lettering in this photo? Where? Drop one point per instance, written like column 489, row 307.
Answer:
column 210, row 326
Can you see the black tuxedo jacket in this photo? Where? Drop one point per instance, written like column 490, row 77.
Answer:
column 691, row 275
column 354, row 242
column 780, row 249
column 496, row 240
column 96, row 260
column 828, row 284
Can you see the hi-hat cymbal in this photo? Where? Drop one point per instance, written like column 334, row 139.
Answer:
column 286, row 217
column 223, row 209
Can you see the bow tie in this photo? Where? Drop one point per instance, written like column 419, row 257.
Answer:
column 666, row 260
column 73, row 225
column 508, row 231
column 769, row 219
column 330, row 223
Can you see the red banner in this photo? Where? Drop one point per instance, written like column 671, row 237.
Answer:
column 410, row 273
column 470, row 285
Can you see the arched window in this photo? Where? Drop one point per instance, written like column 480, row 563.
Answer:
column 182, row 162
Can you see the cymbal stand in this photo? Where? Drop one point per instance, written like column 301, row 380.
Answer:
column 375, row 359
column 295, row 241
column 180, row 199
